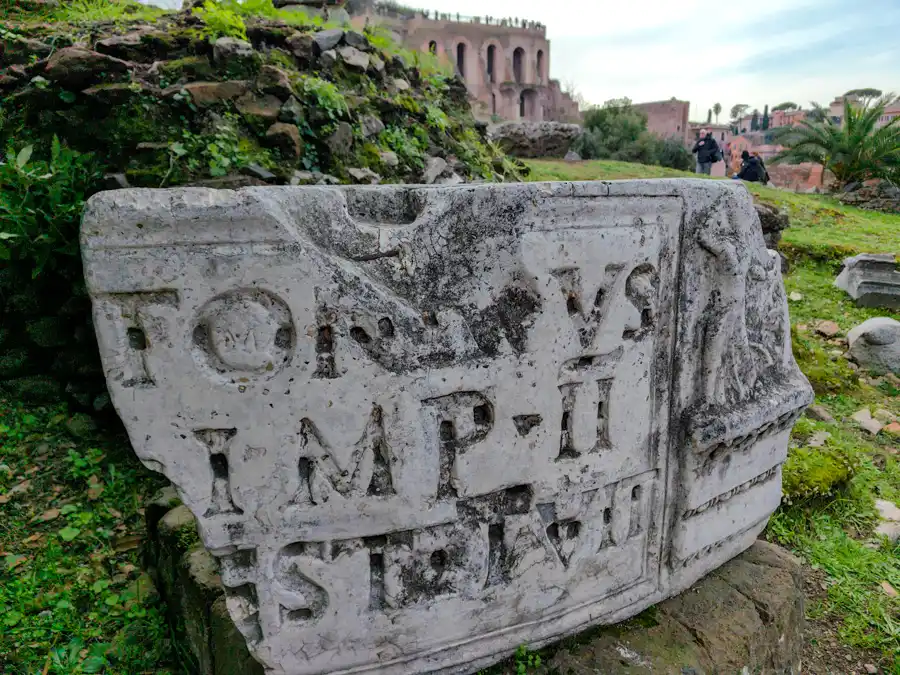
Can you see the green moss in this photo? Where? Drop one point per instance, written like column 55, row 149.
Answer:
column 827, row 374
column 817, row 472
column 281, row 59
column 186, row 69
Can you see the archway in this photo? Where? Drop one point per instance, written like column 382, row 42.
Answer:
column 491, row 63
column 528, row 104
column 432, row 47
column 540, row 65
column 518, row 64
column 461, row 59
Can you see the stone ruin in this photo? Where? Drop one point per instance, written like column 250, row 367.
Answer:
column 421, row 426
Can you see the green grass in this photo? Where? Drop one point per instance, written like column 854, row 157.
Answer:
column 603, row 169
column 91, row 11
column 72, row 597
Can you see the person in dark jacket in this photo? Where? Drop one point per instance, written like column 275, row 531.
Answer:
column 707, row 151
column 752, row 169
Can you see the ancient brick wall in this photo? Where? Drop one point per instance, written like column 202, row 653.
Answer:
column 667, row 118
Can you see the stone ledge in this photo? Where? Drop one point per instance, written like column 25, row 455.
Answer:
column 747, row 616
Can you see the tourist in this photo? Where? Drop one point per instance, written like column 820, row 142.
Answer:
column 752, row 168
column 707, row 151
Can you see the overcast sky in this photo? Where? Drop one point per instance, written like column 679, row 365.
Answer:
column 706, row 51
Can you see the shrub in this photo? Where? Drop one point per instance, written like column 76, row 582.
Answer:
column 41, row 203
column 221, row 21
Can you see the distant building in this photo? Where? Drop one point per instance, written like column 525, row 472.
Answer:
column 892, row 111
column 505, row 63
column 786, row 118
column 668, row 119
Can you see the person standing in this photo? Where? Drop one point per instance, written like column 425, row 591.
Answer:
column 707, row 151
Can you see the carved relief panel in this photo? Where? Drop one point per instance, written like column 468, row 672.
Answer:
column 420, row 427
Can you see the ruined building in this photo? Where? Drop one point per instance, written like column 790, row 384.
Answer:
column 505, row 62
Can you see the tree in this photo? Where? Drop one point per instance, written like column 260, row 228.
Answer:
column 754, row 121
column 709, row 116
column 717, row 108
column 737, row 111
column 866, row 94
column 787, row 105
column 854, row 151
column 817, row 112
column 765, row 118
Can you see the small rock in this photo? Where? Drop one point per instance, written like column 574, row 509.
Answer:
column 262, row 107
column 354, row 58
column 292, row 112
column 227, row 49
column 357, row 40
column 434, row 167
column 400, row 84
column 572, row 156
column 371, row 126
column 364, row 176
column 389, row 159
column 795, row 296
column 81, row 425
column 827, row 329
column 875, row 345
column 892, row 429
column 327, row 39
column 328, row 58
column 818, row 412
column 303, row 178
column 890, row 520
column 376, row 63
column 257, row 171
column 326, row 179
column 273, row 80
column 864, row 419
column 453, row 179
column 285, row 137
column 75, row 68
column 889, row 590
column 818, row 439
column 115, row 181
column 341, row 141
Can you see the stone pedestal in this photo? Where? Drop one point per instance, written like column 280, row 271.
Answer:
column 420, row 427
column 872, row 280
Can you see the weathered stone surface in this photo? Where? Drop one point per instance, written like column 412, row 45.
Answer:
column 389, row 158
column 265, row 108
column 273, row 80
column 228, row 49
column 747, row 617
column 75, row 68
column 434, row 167
column 292, row 112
column 364, row 176
column 443, row 422
column 211, row 93
column 872, row 280
column 875, row 345
column 371, row 125
column 341, row 141
column 357, row 40
column 535, row 139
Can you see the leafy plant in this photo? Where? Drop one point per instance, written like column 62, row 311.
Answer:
column 221, row 20
column 324, row 95
column 526, row 661
column 436, row 118
column 853, row 150
column 41, row 203
column 216, row 154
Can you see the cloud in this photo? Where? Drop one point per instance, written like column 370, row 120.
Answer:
column 710, row 51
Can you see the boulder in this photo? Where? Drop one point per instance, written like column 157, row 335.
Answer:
column 535, row 139
column 138, row 45
column 354, row 58
column 875, row 345
column 301, row 46
column 273, row 80
column 413, row 386
column 75, row 68
column 389, row 159
column 229, row 49
column 434, row 167
column 872, row 280
column 364, row 176
column 357, row 40
column 341, row 141
column 370, row 125
column 327, row 39
column 263, row 108
column 292, row 112
column 572, row 156
column 286, row 138
column 211, row 93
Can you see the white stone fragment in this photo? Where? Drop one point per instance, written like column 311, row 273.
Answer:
column 421, row 426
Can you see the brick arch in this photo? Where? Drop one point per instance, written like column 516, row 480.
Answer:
column 499, row 61
column 470, row 59
column 439, row 44
column 520, row 65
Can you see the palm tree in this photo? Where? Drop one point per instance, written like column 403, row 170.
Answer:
column 854, row 151
column 717, row 108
